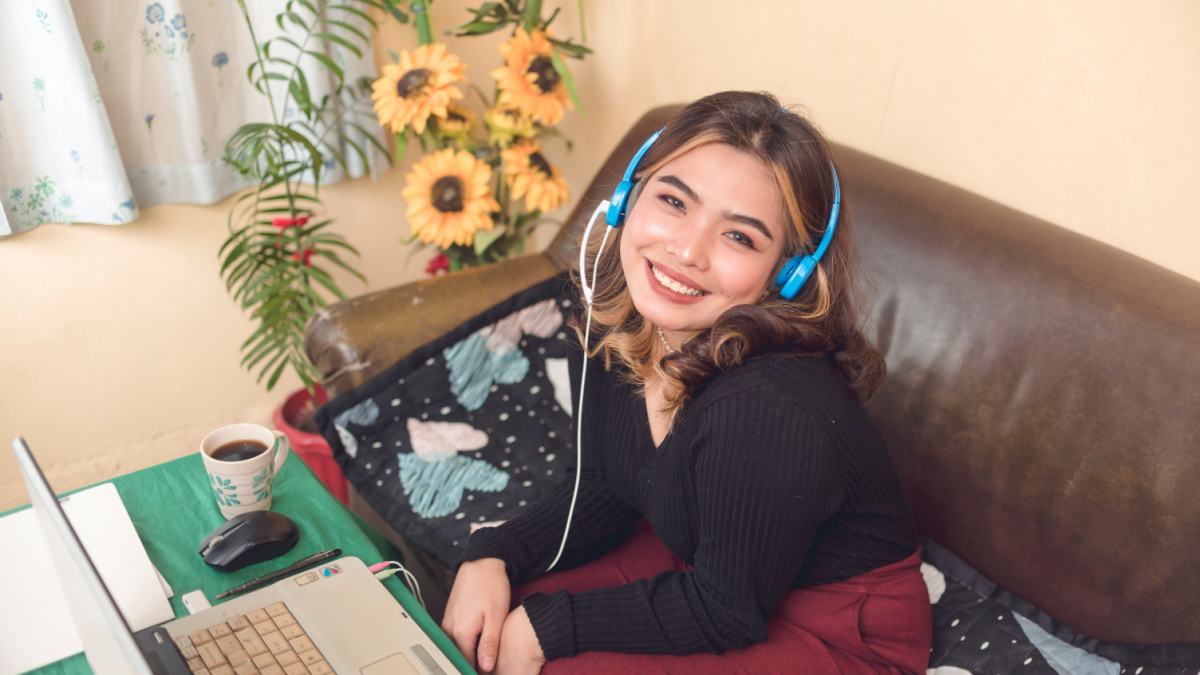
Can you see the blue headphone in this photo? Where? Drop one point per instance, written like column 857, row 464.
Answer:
column 794, row 273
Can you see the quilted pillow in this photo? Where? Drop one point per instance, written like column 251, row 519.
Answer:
column 466, row 430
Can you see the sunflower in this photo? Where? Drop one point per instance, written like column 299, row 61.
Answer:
column 530, row 176
column 506, row 123
column 422, row 84
column 449, row 198
column 529, row 81
column 456, row 124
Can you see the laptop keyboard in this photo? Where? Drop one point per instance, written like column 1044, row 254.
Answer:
column 266, row 641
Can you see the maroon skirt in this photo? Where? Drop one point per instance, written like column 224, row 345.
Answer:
column 878, row 622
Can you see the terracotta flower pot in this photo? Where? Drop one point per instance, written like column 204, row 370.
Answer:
column 294, row 415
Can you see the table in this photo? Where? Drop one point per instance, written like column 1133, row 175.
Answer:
column 172, row 508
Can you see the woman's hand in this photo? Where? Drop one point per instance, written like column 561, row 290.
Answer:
column 520, row 652
column 477, row 609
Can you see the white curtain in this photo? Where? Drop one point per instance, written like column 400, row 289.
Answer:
column 110, row 106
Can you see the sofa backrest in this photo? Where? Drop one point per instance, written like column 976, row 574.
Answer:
column 1042, row 402
column 1043, row 397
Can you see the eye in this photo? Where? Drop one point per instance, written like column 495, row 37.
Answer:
column 740, row 238
column 672, row 202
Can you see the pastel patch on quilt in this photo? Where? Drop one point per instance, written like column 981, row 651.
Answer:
column 490, row 355
column 435, row 441
column 435, row 489
column 560, row 377
column 349, row 442
column 935, row 582
column 363, row 414
column 1064, row 658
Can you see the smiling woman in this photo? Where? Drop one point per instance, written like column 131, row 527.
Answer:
column 730, row 419
column 723, row 200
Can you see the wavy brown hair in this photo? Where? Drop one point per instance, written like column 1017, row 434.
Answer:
column 820, row 320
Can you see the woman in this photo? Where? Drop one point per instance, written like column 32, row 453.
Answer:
column 730, row 419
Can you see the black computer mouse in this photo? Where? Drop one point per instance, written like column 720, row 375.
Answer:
column 247, row 539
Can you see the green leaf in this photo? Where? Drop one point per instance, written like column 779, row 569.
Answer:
column 480, row 28
column 309, row 6
column 533, row 15
column 485, row 238
column 328, row 63
column 373, row 140
column 353, row 10
column 401, row 144
column 327, row 281
column 347, row 27
column 570, row 48
column 341, row 41
column 337, row 260
column 275, row 376
column 271, row 363
column 393, row 7
column 294, row 18
column 569, row 81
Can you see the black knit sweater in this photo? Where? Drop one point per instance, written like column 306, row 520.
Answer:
column 773, row 477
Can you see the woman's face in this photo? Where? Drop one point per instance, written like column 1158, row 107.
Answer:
column 706, row 234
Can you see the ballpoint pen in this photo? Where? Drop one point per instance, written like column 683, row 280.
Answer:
column 294, row 567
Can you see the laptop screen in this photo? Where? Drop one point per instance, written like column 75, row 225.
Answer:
column 107, row 640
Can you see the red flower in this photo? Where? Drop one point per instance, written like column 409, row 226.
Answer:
column 437, row 263
column 304, row 256
column 284, row 223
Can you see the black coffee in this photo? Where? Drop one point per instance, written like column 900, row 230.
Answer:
column 236, row 451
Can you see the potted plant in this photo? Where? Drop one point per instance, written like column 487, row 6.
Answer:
column 481, row 188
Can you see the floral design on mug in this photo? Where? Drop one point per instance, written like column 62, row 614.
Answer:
column 262, row 483
column 224, row 490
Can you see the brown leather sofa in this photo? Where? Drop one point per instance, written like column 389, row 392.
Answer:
column 1042, row 404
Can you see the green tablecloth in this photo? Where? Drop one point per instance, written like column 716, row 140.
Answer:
column 172, row 508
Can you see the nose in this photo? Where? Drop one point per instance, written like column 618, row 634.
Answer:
column 690, row 246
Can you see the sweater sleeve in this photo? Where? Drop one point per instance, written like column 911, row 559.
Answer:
column 528, row 543
column 601, row 520
column 765, row 479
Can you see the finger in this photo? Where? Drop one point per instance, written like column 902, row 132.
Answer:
column 489, row 643
column 465, row 641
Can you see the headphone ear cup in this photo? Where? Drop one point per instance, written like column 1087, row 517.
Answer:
column 794, row 274
column 617, row 208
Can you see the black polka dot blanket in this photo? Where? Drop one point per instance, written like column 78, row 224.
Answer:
column 467, row 430
column 980, row 628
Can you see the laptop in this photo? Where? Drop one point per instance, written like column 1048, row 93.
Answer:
column 337, row 619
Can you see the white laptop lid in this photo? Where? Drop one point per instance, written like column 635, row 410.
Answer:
column 107, row 640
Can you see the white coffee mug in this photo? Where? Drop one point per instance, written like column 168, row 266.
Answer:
column 242, row 475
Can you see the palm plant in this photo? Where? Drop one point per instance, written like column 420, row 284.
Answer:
column 277, row 260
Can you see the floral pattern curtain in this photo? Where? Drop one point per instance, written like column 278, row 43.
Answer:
column 111, row 106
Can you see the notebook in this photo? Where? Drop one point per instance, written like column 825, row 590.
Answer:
column 32, row 632
column 335, row 619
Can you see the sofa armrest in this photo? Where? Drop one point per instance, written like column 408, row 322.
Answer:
column 352, row 341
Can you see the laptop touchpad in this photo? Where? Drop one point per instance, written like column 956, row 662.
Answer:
column 396, row 664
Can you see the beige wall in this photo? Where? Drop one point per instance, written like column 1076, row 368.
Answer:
column 118, row 346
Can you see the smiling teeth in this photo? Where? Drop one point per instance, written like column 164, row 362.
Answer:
column 674, row 285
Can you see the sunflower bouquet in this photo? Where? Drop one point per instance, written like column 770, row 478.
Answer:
column 464, row 196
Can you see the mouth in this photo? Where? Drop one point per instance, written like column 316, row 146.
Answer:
column 675, row 285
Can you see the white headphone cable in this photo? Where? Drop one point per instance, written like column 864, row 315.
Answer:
column 587, row 331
